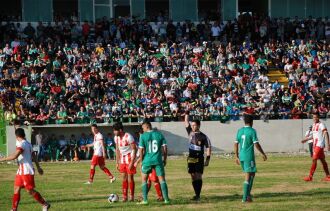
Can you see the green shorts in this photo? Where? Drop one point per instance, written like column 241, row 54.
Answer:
column 146, row 169
column 249, row 166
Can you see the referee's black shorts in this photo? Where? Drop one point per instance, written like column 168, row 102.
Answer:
column 195, row 165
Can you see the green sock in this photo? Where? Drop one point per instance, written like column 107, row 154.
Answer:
column 250, row 185
column 57, row 154
column 145, row 191
column 245, row 190
column 163, row 186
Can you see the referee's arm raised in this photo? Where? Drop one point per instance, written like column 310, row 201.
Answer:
column 186, row 119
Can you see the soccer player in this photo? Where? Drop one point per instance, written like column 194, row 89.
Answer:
column 320, row 135
column 198, row 143
column 246, row 139
column 309, row 139
column 152, row 148
column 25, row 174
column 99, row 156
column 125, row 156
column 152, row 177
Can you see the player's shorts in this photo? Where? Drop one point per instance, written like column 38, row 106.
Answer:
column 249, row 166
column 152, row 176
column 147, row 169
column 195, row 165
column 318, row 153
column 25, row 181
column 123, row 168
column 97, row 160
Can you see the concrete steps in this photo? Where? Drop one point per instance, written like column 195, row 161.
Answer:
column 276, row 74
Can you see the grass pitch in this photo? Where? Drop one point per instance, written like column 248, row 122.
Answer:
column 278, row 186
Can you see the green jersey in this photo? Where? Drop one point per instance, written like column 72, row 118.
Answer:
column 152, row 142
column 246, row 138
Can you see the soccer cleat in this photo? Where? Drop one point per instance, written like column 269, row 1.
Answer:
column 160, row 199
column 88, row 183
column 112, row 179
column 249, row 199
column 143, row 203
column 308, row 179
column 124, row 200
column 167, row 202
column 326, row 179
column 196, row 198
column 46, row 207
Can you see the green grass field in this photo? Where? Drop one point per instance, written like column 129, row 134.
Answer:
column 278, row 186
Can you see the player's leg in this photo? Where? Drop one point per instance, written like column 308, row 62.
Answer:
column 312, row 170
column 197, row 183
column 124, row 186
column 161, row 176
column 106, row 170
column 246, row 187
column 16, row 196
column 326, row 169
column 29, row 186
column 252, row 176
column 145, row 171
column 131, row 186
column 153, row 178
column 91, row 174
column 311, row 149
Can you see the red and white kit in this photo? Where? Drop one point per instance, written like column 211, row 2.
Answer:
column 25, row 173
column 126, row 152
column 318, row 140
column 98, row 150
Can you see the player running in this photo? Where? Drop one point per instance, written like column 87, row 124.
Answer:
column 246, row 139
column 320, row 133
column 198, row 142
column 125, row 156
column 152, row 148
column 25, row 174
column 99, row 156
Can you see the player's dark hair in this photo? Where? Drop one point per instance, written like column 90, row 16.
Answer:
column 19, row 132
column 197, row 121
column 118, row 126
column 316, row 114
column 248, row 119
column 94, row 125
column 148, row 124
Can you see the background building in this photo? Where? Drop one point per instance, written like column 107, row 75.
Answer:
column 177, row 10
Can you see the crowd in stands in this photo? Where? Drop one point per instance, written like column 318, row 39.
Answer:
column 130, row 70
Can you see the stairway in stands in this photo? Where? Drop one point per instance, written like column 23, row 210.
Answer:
column 277, row 74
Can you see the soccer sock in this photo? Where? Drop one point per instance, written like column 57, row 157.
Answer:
column 311, row 173
column 325, row 168
column 149, row 185
column 197, row 184
column 158, row 190
column 106, row 170
column 245, row 190
column 250, row 185
column 91, row 175
column 16, row 199
column 131, row 188
column 125, row 187
column 145, row 191
column 38, row 198
column 163, row 185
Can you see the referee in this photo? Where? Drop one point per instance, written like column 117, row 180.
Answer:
column 198, row 142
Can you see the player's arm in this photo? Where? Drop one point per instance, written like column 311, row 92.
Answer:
column 186, row 119
column 133, row 146
column 259, row 148
column 35, row 160
column 326, row 136
column 306, row 139
column 208, row 152
column 103, row 149
column 164, row 150
column 141, row 154
column 12, row 156
column 236, row 153
column 117, row 155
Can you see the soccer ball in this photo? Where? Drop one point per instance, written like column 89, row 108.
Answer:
column 113, row 198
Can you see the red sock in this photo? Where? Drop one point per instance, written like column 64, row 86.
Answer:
column 107, row 172
column 325, row 168
column 16, row 198
column 311, row 173
column 131, row 188
column 125, row 188
column 38, row 198
column 91, row 175
column 158, row 190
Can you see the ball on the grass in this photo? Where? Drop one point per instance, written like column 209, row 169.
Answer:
column 113, row 198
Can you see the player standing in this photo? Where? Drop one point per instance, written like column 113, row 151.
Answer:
column 152, row 148
column 125, row 156
column 309, row 139
column 25, row 174
column 320, row 133
column 246, row 139
column 198, row 142
column 99, row 156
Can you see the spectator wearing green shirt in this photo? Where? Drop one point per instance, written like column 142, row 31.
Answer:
column 61, row 116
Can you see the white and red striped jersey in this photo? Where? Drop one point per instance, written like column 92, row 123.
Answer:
column 318, row 139
column 25, row 166
column 98, row 144
column 125, row 148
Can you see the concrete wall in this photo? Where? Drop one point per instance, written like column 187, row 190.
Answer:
column 275, row 136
